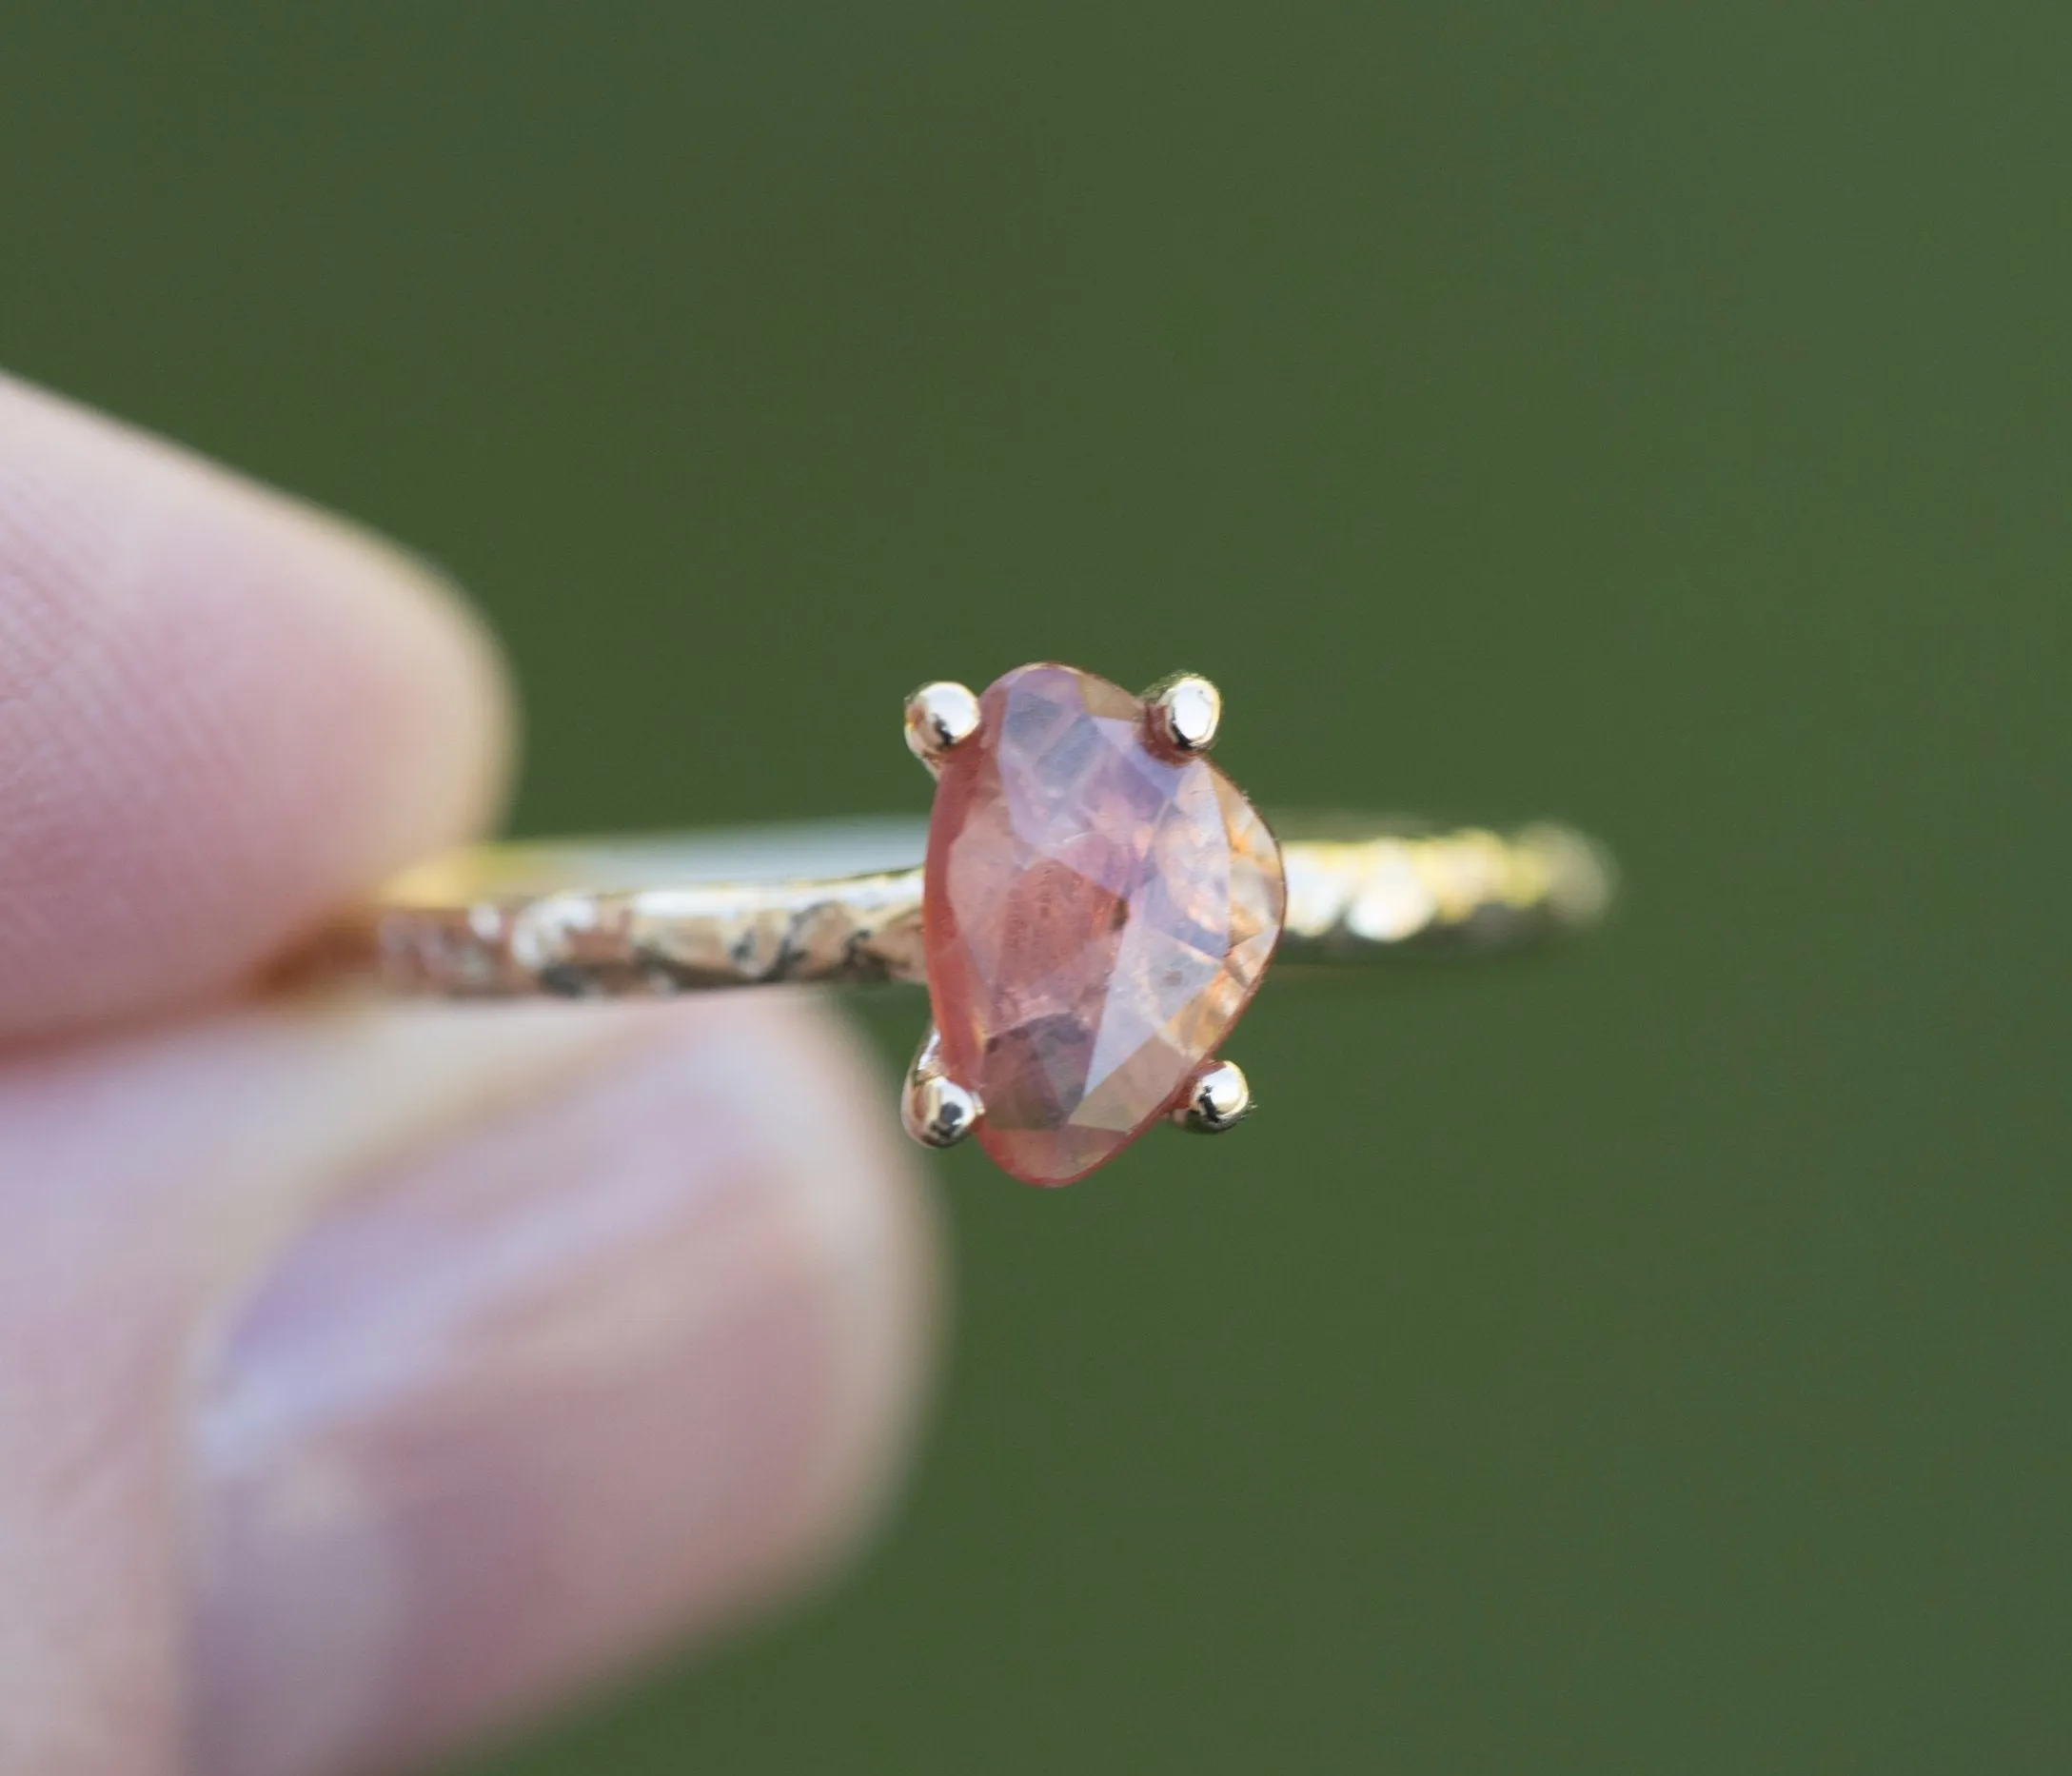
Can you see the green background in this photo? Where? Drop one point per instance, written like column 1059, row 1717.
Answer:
column 1649, row 1358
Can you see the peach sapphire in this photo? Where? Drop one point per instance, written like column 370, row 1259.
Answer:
column 1098, row 910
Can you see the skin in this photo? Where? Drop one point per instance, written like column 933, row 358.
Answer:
column 370, row 1378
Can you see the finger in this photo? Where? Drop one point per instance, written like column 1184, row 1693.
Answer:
column 379, row 1377
column 220, row 712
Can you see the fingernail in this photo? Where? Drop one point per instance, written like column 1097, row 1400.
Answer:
column 603, row 1369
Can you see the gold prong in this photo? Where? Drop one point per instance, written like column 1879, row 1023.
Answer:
column 939, row 717
column 1185, row 711
column 937, row 1110
column 1215, row 1099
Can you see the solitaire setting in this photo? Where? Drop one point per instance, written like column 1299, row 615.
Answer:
column 1091, row 905
column 1101, row 902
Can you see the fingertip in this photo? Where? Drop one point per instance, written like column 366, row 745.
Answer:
column 220, row 710
column 634, row 1352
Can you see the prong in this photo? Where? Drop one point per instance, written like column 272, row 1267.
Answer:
column 1215, row 1099
column 937, row 1110
column 1185, row 711
column 939, row 717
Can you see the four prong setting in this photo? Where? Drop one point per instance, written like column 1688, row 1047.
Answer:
column 939, row 717
column 1184, row 712
column 937, row 1110
column 1217, row 1098
column 1075, row 827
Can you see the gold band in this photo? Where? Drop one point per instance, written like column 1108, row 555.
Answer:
column 841, row 902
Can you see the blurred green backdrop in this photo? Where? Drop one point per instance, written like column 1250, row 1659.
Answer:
column 1648, row 1359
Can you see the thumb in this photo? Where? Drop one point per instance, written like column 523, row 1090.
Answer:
column 378, row 1377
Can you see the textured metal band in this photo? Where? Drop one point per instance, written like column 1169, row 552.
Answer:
column 841, row 902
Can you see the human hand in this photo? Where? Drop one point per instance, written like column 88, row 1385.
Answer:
column 367, row 1377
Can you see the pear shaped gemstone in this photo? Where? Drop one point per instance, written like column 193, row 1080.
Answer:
column 1098, row 911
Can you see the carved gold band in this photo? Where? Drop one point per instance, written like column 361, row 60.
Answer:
column 841, row 902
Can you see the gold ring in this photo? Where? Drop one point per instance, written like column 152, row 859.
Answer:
column 1092, row 904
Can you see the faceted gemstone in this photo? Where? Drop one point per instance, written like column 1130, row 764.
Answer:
column 1097, row 914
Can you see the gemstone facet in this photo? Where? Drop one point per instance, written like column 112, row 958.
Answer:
column 1098, row 910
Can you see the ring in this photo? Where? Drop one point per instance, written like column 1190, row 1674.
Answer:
column 1092, row 904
